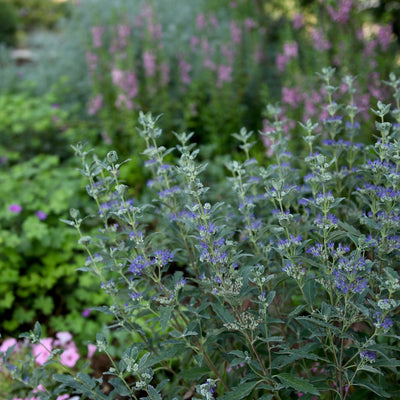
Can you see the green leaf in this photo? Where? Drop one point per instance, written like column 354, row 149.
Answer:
column 86, row 379
column 65, row 379
column 370, row 368
column 154, row 395
column 240, row 392
column 376, row 389
column 37, row 330
column 194, row 373
column 222, row 313
column 119, row 386
column 310, row 291
column 297, row 383
column 165, row 316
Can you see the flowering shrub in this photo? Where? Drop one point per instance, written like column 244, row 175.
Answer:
column 134, row 65
column 29, row 356
column 318, row 36
column 282, row 283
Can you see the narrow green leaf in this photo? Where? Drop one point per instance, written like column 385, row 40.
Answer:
column 299, row 384
column 373, row 388
column 222, row 313
column 37, row 330
column 119, row 386
column 239, row 392
column 154, row 395
column 194, row 373
column 165, row 316
column 310, row 291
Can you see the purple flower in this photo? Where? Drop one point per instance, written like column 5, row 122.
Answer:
column 149, row 63
column 15, row 208
column 138, row 264
column 368, row 355
column 86, row 312
column 41, row 215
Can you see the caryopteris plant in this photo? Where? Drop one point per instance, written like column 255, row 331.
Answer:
column 281, row 281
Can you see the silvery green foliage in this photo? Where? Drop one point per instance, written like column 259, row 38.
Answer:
column 288, row 285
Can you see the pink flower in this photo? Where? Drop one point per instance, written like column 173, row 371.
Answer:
column 91, row 350
column 194, row 42
column 385, row 36
column 41, row 215
column 319, row 41
column 70, row 356
column 92, row 60
column 297, row 21
column 95, row 104
column 249, row 24
column 41, row 351
column 343, row 13
column 201, row 21
column 236, row 32
column 118, row 77
column 7, row 343
column 40, row 388
column 227, row 53
column 291, row 50
column 63, row 397
column 184, row 69
column 149, row 63
column 63, row 338
column 280, row 62
column 224, row 74
column 15, row 208
column 165, row 71
column 131, row 84
column 86, row 312
column 123, row 102
column 213, row 21
column 97, row 32
column 123, row 31
column 290, row 96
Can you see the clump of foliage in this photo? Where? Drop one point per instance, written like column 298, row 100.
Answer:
column 8, row 23
column 32, row 125
column 38, row 255
column 39, row 14
column 284, row 286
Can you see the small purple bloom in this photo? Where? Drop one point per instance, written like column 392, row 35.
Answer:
column 41, row 215
column 15, row 208
column 86, row 312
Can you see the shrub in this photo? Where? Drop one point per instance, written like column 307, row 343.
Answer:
column 8, row 23
column 30, row 125
column 39, row 14
column 285, row 285
column 316, row 36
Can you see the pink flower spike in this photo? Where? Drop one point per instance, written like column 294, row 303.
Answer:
column 91, row 350
column 15, row 208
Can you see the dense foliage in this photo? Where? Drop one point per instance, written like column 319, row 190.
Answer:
column 259, row 264
column 286, row 285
